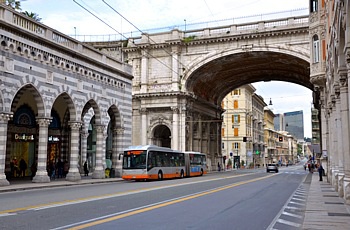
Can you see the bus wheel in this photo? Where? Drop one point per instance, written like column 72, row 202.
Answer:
column 160, row 175
column 182, row 174
column 201, row 172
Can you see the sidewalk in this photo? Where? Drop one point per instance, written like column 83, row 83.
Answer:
column 324, row 208
column 26, row 184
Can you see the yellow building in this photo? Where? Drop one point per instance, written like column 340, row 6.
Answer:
column 237, row 129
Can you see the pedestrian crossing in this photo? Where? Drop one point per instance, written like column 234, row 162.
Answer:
column 292, row 214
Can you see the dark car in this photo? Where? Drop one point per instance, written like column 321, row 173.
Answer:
column 272, row 167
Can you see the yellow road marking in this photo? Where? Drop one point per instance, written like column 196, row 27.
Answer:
column 67, row 202
column 166, row 204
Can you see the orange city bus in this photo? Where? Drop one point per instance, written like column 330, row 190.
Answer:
column 150, row 162
column 196, row 163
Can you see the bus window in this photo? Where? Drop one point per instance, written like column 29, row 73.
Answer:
column 134, row 161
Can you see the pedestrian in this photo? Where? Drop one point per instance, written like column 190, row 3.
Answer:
column 52, row 170
column 59, row 167
column 219, row 166
column 65, row 168
column 86, row 170
column 22, row 167
column 33, row 169
column 320, row 171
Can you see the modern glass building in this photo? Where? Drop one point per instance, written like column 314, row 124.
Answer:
column 292, row 122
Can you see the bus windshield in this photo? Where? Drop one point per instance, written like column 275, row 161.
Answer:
column 134, row 159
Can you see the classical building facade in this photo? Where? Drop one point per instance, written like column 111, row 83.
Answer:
column 237, row 125
column 181, row 77
column 330, row 73
column 60, row 101
column 258, row 154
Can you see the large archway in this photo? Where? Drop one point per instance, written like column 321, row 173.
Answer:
column 219, row 75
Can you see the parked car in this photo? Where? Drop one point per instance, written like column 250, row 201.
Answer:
column 272, row 167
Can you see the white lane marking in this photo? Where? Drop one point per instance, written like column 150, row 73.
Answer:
column 297, row 203
column 7, row 214
column 292, row 214
column 289, row 223
column 84, row 200
column 298, row 199
column 294, row 208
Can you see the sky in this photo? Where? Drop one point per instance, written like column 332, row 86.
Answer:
column 130, row 17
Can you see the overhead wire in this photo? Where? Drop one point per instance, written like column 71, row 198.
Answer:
column 140, row 30
column 123, row 35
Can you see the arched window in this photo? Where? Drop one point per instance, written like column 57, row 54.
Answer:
column 313, row 6
column 316, row 49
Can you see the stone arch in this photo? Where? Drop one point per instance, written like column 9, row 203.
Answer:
column 70, row 105
column 40, row 105
column 97, row 112
column 237, row 67
column 161, row 136
column 66, row 91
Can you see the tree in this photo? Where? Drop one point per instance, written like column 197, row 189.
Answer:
column 16, row 5
column 32, row 15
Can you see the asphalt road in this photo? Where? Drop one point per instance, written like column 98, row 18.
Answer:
column 226, row 200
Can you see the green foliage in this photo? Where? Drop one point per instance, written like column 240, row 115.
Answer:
column 32, row 15
column 16, row 5
column 189, row 38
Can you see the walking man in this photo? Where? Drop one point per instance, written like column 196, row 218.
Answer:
column 320, row 171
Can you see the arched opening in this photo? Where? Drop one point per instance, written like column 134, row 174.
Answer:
column 228, row 75
column 162, row 136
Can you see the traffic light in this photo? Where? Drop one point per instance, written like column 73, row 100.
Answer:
column 280, row 139
column 257, row 152
column 244, row 139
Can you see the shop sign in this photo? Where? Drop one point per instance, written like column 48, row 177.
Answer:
column 24, row 137
column 54, row 139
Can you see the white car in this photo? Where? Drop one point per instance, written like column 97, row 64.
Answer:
column 272, row 167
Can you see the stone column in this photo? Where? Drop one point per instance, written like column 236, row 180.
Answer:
column 83, row 148
column 175, row 68
column 4, row 118
column 346, row 182
column 99, row 172
column 338, row 138
column 344, row 113
column 74, row 174
column 105, row 135
column 144, row 126
column 118, row 149
column 175, row 133
column 144, row 72
column 184, row 130
column 334, row 141
column 41, row 174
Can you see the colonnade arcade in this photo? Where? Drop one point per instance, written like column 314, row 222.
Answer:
column 43, row 131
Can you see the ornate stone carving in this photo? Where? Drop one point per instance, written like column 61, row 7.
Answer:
column 119, row 130
column 75, row 125
column 143, row 110
column 5, row 117
column 43, row 122
column 175, row 109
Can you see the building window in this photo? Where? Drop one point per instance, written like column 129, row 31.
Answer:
column 235, row 145
column 316, row 49
column 237, row 92
column 223, row 132
column 235, row 104
column 313, row 6
column 235, row 132
column 236, row 118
